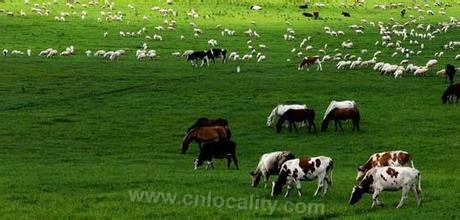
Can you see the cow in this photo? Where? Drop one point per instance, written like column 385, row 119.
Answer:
column 387, row 178
column 198, row 55
column 269, row 164
column 304, row 168
column 306, row 14
column 219, row 149
column 310, row 60
column 389, row 158
column 217, row 53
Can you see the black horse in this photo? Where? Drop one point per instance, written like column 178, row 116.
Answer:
column 451, row 91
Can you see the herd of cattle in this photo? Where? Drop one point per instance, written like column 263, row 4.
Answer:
column 385, row 171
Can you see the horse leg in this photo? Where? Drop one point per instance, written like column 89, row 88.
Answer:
column 340, row 125
column 290, row 126
column 335, row 123
column 314, row 126
column 295, row 127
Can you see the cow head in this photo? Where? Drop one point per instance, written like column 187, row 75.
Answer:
column 255, row 176
column 356, row 194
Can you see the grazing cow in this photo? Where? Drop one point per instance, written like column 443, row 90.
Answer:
column 307, row 61
column 198, row 55
column 217, row 53
column 396, row 158
column 346, row 14
column 304, row 168
column 341, row 114
column 297, row 115
column 219, row 150
column 270, row 164
column 380, row 179
column 450, row 73
column 306, row 14
column 403, row 12
column 451, row 91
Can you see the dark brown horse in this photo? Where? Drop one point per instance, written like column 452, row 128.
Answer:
column 341, row 114
column 206, row 122
column 297, row 115
column 451, row 91
column 204, row 135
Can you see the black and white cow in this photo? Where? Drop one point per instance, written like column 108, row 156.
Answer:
column 269, row 164
column 217, row 53
column 380, row 179
column 304, row 168
column 346, row 14
column 198, row 55
column 219, row 150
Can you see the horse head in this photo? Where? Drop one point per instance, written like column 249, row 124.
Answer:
column 325, row 124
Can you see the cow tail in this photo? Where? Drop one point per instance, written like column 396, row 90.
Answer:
column 329, row 170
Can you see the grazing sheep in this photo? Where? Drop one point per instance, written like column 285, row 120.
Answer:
column 5, row 52
column 431, row 63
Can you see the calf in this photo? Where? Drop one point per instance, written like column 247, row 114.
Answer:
column 217, row 53
column 269, row 164
column 304, row 168
column 380, row 179
column 396, row 158
column 220, row 149
column 450, row 73
column 346, row 14
column 198, row 55
column 307, row 61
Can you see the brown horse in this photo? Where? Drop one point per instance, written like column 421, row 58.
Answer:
column 341, row 114
column 206, row 122
column 297, row 115
column 204, row 135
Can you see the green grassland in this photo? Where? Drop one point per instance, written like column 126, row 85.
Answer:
column 78, row 133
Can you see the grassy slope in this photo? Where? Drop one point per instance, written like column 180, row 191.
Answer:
column 78, row 133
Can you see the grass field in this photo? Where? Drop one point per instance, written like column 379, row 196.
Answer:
column 78, row 134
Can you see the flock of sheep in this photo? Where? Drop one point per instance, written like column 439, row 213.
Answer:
column 406, row 40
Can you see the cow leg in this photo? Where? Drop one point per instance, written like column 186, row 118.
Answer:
column 417, row 195
column 375, row 198
column 229, row 161
column 235, row 161
column 320, row 183
column 298, row 187
column 267, row 177
column 405, row 192
column 288, row 190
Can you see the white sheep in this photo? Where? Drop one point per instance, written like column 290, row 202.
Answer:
column 421, row 71
column 431, row 63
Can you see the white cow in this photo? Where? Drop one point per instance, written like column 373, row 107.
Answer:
column 269, row 164
column 380, row 179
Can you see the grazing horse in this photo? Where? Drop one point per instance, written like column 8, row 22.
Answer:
column 339, row 104
column 217, row 53
column 280, row 110
column 206, row 122
column 221, row 149
column 203, row 135
column 297, row 115
column 307, row 61
column 341, row 114
column 450, row 73
column 451, row 91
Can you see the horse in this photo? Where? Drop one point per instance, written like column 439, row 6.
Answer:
column 450, row 73
column 341, row 114
column 307, row 61
column 339, row 104
column 297, row 115
column 204, row 135
column 451, row 91
column 280, row 110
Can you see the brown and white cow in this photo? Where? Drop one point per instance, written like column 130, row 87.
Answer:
column 304, row 168
column 310, row 60
column 396, row 158
column 387, row 178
